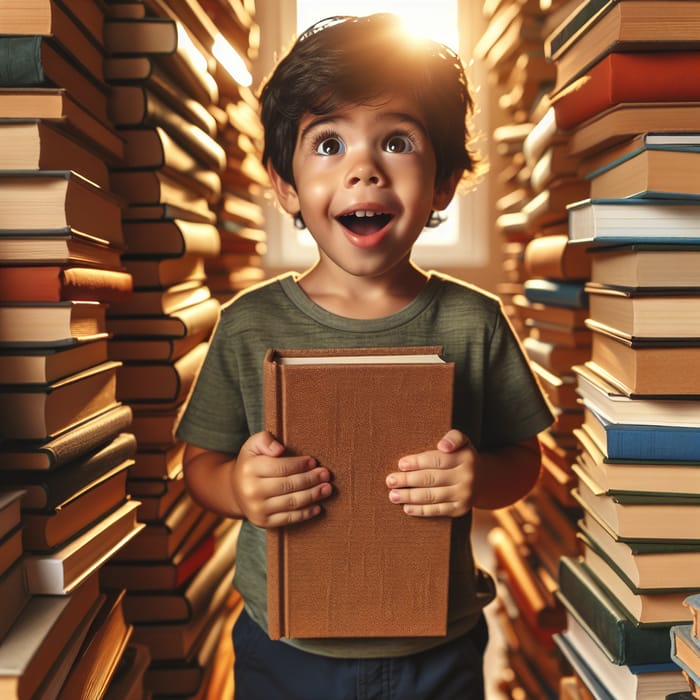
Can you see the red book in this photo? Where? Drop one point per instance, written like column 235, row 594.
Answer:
column 672, row 76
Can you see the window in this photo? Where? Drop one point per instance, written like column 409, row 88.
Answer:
column 462, row 239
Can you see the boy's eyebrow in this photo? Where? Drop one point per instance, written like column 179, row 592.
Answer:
column 398, row 116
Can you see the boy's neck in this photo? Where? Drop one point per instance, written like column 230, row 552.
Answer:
column 362, row 297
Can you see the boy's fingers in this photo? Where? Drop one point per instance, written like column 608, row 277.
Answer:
column 453, row 440
column 296, row 507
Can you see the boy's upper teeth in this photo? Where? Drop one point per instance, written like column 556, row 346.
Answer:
column 365, row 212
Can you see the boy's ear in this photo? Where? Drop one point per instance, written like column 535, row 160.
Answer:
column 286, row 194
column 445, row 191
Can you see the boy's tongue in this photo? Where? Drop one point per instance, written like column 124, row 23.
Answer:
column 365, row 225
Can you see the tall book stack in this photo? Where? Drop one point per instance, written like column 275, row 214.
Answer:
column 624, row 98
column 542, row 291
column 170, row 100
column 244, row 179
column 65, row 443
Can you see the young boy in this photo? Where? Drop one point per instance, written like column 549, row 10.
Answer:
column 365, row 139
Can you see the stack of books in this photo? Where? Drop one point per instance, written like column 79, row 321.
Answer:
column 66, row 443
column 542, row 290
column 685, row 645
column 632, row 132
column 172, row 103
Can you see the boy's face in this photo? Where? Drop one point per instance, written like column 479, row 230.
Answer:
column 365, row 183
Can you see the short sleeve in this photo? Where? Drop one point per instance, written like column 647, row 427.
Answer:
column 515, row 407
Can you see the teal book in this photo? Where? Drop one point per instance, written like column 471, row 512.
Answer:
column 624, row 641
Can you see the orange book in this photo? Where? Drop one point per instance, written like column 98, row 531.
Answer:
column 363, row 568
column 63, row 283
column 629, row 77
column 552, row 257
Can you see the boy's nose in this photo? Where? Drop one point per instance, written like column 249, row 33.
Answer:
column 364, row 171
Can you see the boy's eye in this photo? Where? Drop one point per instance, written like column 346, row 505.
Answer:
column 398, row 143
column 330, row 146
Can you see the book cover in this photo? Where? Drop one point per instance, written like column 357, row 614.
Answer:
column 143, row 36
column 363, row 568
column 685, row 650
column 567, row 293
column 171, row 238
column 622, row 639
column 630, row 78
column 551, row 257
column 71, row 444
column 654, row 443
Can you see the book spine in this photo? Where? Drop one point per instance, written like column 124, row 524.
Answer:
column 624, row 642
column 20, row 61
column 275, row 550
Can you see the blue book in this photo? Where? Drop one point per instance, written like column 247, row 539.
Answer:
column 654, row 443
column 569, row 294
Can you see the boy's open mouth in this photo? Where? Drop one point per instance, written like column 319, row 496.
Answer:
column 363, row 222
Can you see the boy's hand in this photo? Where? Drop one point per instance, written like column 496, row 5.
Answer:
column 436, row 482
column 273, row 490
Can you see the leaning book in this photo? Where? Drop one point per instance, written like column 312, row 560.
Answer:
column 363, row 568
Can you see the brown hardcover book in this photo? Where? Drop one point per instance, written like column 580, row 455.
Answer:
column 164, row 272
column 52, row 323
column 72, row 444
column 165, row 463
column 100, row 653
column 184, row 185
column 42, row 17
column 160, row 540
column 154, row 147
column 647, row 565
column 155, row 349
column 560, row 388
column 547, row 313
column 57, row 104
column 43, row 531
column 551, row 257
column 155, row 429
column 146, row 35
column 160, row 382
column 68, row 201
column 183, row 322
column 39, row 145
column 636, row 267
column 67, row 247
column 632, row 314
column 638, row 368
column 625, row 120
column 363, row 568
column 169, row 575
column 650, row 173
column 35, row 641
column 137, row 106
column 64, row 283
column 31, row 412
column 157, row 496
column 155, row 302
column 127, row 69
column 559, row 333
column 171, row 238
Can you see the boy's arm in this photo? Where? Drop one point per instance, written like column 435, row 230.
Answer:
column 455, row 477
column 260, row 484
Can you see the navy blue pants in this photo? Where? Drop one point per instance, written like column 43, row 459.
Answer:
column 272, row 670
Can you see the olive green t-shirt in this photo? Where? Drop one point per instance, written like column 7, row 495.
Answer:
column 497, row 402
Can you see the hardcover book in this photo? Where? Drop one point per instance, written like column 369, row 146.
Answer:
column 363, row 568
